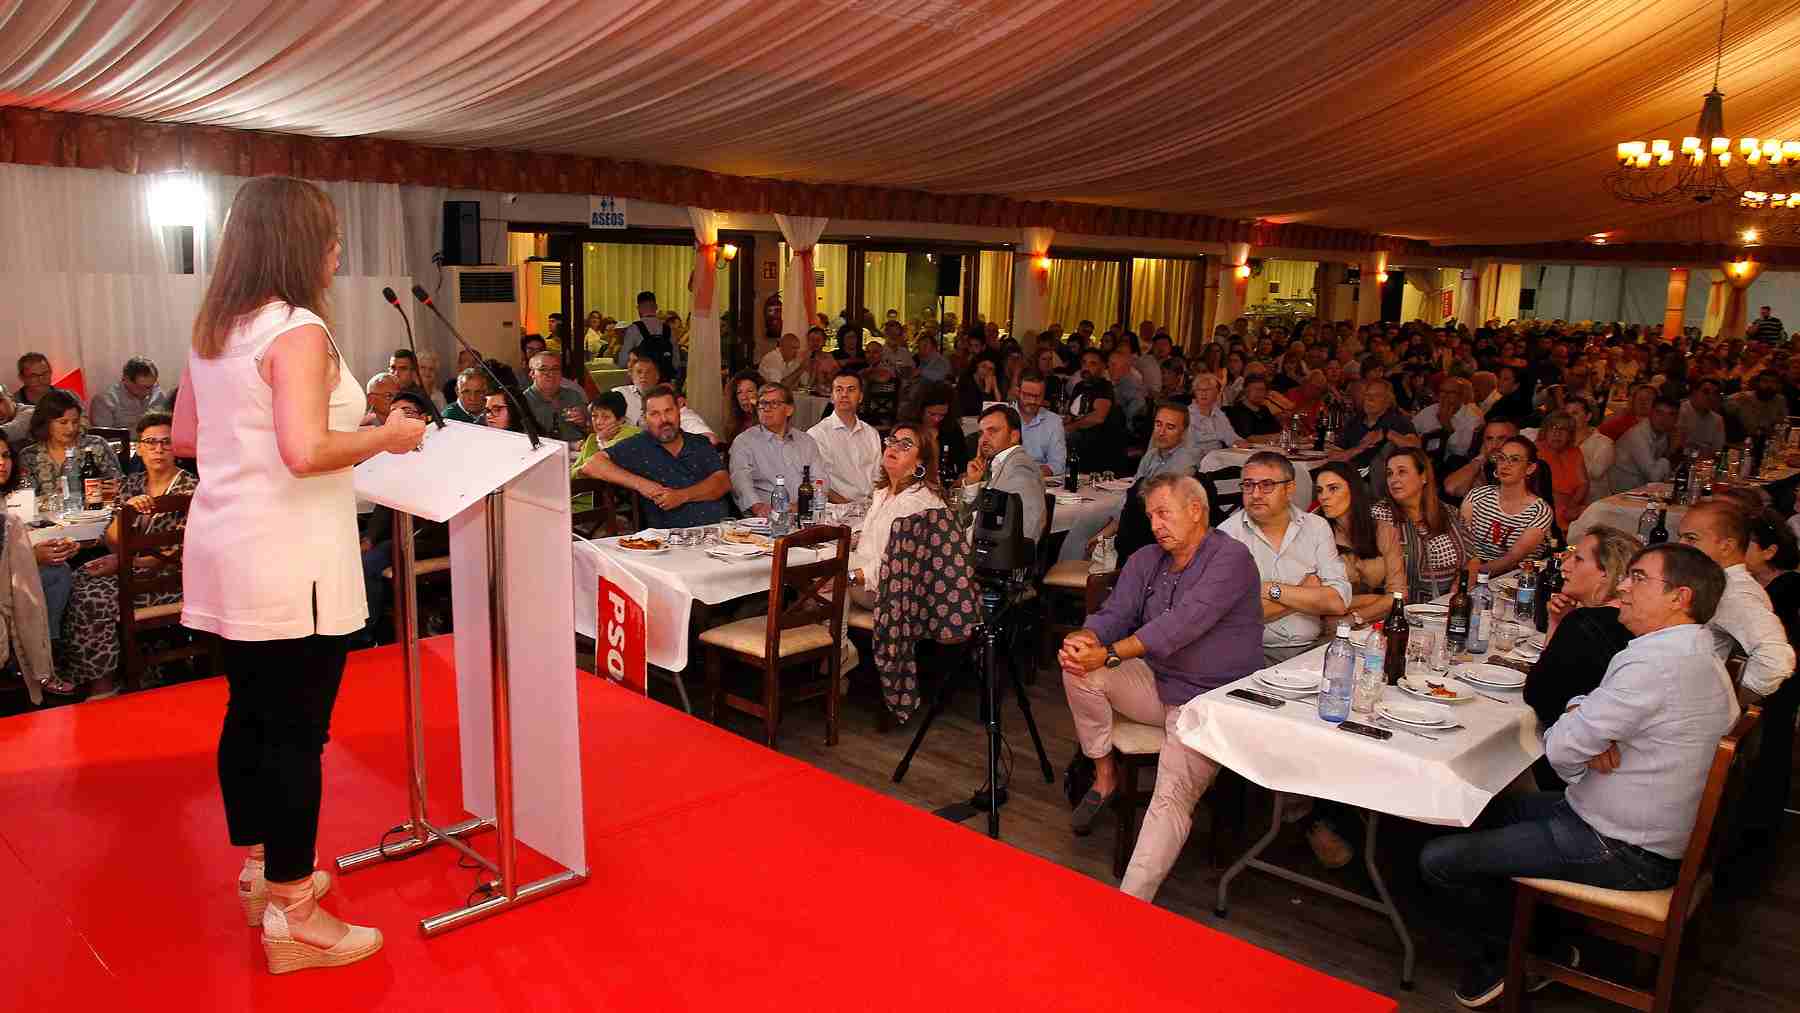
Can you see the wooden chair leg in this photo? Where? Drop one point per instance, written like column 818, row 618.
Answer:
column 833, row 668
column 1670, row 961
column 715, row 685
column 1524, row 910
column 771, row 702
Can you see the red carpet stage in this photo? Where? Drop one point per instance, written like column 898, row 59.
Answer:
column 724, row 877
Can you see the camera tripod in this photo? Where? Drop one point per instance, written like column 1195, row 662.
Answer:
column 997, row 602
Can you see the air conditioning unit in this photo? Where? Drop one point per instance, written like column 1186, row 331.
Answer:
column 483, row 303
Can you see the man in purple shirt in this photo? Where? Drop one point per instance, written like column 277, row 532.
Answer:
column 1184, row 617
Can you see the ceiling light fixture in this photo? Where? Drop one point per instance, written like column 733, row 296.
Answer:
column 1755, row 174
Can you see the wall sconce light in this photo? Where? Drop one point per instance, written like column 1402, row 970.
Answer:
column 1381, row 276
column 727, row 253
column 1042, row 263
column 1242, row 271
column 1751, row 235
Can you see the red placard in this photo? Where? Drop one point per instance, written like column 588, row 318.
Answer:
column 619, row 650
column 1446, row 304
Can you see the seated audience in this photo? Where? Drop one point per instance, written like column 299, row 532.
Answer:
column 1042, row 432
column 1254, row 416
column 1558, row 451
column 1422, row 540
column 1374, row 433
column 1771, row 559
column 681, row 481
column 58, row 442
column 931, row 366
column 1344, row 501
column 1757, row 411
column 1745, row 619
column 1001, row 463
column 1509, row 521
column 1635, row 753
column 427, row 379
column 1209, row 428
column 851, row 447
column 1641, row 402
column 943, row 428
column 1095, row 429
column 26, row 621
column 742, row 407
column 91, row 649
column 404, row 365
column 1133, row 393
column 560, row 413
column 121, row 405
column 497, row 413
column 380, row 390
column 15, row 419
column 905, row 484
column 34, row 377
column 785, row 364
column 1649, row 451
column 1296, row 558
column 470, row 399
column 1597, row 449
column 774, row 449
column 1585, row 631
column 1702, row 427
column 979, row 389
column 1168, row 454
column 465, row 360
column 1183, row 618
column 1453, row 416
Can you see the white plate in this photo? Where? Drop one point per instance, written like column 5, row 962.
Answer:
column 1417, row 715
column 1416, row 687
column 1494, row 676
column 1536, row 642
column 1289, row 679
column 759, row 525
column 642, row 552
column 1427, row 612
column 732, row 552
column 86, row 516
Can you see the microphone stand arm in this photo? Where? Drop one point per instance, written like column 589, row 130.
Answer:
column 525, row 418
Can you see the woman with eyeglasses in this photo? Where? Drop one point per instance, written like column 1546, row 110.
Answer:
column 498, row 414
column 1509, row 521
column 1422, row 541
column 1344, row 501
column 907, row 484
column 91, row 649
column 1561, row 454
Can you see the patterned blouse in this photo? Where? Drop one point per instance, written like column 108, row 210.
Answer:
column 1492, row 531
column 35, row 461
column 138, row 484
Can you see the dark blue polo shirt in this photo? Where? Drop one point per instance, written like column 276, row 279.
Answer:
column 644, row 457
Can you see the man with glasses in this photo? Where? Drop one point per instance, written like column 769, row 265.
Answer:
column 137, row 392
column 681, row 481
column 851, row 447
column 769, row 450
column 1453, row 416
column 1635, row 754
column 1041, row 432
column 1303, row 576
column 557, row 410
column 34, row 377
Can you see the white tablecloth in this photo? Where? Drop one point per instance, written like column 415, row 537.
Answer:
column 1446, row 783
column 1622, row 510
column 1233, row 457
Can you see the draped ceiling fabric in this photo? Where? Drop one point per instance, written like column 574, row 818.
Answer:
column 1484, row 122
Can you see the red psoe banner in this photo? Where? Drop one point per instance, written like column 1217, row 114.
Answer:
column 619, row 650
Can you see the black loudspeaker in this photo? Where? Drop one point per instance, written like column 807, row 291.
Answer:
column 949, row 274
column 1527, row 300
column 462, row 232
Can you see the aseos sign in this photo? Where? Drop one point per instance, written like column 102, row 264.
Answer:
column 619, row 649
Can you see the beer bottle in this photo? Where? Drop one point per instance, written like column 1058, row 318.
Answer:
column 1394, row 665
column 93, row 490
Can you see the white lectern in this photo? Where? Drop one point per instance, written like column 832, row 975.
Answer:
column 507, row 506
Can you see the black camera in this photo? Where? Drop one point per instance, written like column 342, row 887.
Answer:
column 1000, row 542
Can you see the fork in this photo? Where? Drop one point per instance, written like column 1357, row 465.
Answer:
column 1391, row 726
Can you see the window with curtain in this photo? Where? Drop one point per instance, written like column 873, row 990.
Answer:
column 884, row 284
column 1162, row 291
column 996, row 287
column 1280, row 281
column 1083, row 290
column 831, row 264
column 614, row 273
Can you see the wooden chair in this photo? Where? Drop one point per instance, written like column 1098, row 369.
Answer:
column 118, row 439
column 615, row 510
column 1651, row 921
column 136, row 623
column 805, row 633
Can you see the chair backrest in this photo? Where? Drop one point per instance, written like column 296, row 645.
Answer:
column 1099, row 588
column 118, row 439
column 801, row 593
column 1040, row 565
column 134, row 543
column 615, row 510
column 1718, row 804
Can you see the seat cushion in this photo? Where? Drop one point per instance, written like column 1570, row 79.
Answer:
column 747, row 636
column 1071, row 575
column 1650, row 904
column 860, row 618
column 1134, row 739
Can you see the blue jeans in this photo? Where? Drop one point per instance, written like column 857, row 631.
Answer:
column 1527, row 835
column 59, row 586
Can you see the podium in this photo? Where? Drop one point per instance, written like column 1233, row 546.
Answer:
column 507, row 508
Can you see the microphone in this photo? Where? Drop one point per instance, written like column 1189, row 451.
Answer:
column 525, row 418
column 427, row 407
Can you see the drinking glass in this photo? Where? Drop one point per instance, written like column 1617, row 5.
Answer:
column 1419, row 649
column 1506, row 633
column 1439, row 661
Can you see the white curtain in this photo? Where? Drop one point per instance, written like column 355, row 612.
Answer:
column 1162, row 291
column 704, row 389
column 1083, row 290
column 996, row 299
column 1282, row 279
column 799, row 301
column 884, row 284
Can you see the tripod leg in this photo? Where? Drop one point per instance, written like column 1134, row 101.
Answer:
column 937, row 707
column 991, row 676
column 1031, row 724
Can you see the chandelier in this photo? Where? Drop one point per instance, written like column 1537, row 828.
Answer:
column 1755, row 175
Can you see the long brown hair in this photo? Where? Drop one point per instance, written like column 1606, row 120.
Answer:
column 927, row 460
column 277, row 235
column 1432, row 515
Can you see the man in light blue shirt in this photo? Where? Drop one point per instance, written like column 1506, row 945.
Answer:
column 1208, row 428
column 771, row 450
column 1042, row 431
column 1648, row 451
column 1635, row 753
column 932, row 366
column 137, row 392
column 1168, row 453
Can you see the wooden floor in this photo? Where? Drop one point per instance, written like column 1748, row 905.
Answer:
column 1748, row 957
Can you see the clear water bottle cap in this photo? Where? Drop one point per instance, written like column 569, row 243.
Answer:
column 1344, row 631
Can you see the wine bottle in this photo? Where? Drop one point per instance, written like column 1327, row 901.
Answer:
column 1660, row 533
column 803, row 502
column 1549, row 583
column 93, row 492
column 1393, row 667
column 1456, row 628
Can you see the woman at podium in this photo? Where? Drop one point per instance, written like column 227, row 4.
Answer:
column 270, row 409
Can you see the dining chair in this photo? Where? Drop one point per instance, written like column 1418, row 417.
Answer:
column 613, row 510
column 136, row 625
column 804, row 628
column 1653, row 922
column 118, row 439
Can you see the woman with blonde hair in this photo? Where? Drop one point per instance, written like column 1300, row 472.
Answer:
column 906, row 484
column 1559, row 451
column 271, row 411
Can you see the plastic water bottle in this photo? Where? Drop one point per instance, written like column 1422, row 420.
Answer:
column 71, row 483
column 1371, row 656
column 781, row 517
column 1481, row 616
column 1526, row 598
column 1339, row 677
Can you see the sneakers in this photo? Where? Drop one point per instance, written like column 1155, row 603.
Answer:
column 285, row 953
column 1328, row 846
column 253, row 890
column 1485, row 980
column 1082, row 819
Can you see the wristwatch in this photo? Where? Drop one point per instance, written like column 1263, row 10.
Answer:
column 1112, row 657
column 1274, row 591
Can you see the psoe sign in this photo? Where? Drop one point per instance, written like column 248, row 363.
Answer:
column 607, row 213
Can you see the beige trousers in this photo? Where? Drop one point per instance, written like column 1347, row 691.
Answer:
column 1182, row 775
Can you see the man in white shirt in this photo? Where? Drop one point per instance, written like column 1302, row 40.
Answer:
column 1453, row 414
column 785, row 363
column 1296, row 555
column 851, row 447
column 1702, row 427
column 1745, row 619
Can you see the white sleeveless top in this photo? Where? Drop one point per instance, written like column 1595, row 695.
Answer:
column 273, row 556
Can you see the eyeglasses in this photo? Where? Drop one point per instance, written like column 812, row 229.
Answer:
column 899, row 443
column 769, row 406
column 1256, row 488
column 1510, row 459
column 163, row 441
column 1639, row 576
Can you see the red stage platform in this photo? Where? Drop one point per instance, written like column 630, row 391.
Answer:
column 724, row 876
